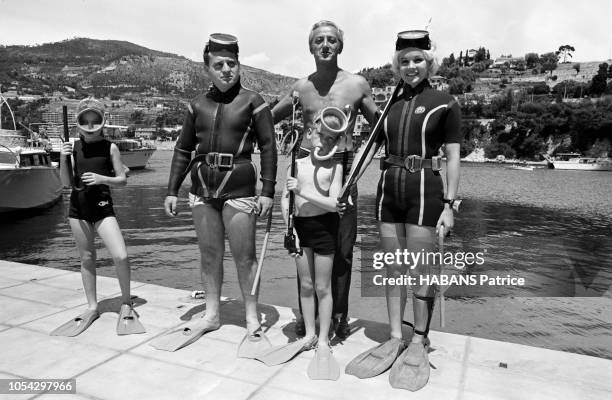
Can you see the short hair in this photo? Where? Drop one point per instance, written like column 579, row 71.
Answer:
column 324, row 22
column 429, row 55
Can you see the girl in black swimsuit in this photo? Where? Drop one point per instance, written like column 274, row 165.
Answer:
column 97, row 166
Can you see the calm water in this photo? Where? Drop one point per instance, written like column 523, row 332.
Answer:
column 550, row 227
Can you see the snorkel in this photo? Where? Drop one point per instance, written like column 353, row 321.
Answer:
column 324, row 128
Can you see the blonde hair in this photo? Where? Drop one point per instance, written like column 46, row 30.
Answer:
column 429, row 55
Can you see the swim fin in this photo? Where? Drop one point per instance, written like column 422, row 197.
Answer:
column 411, row 369
column 253, row 344
column 283, row 353
column 376, row 360
column 77, row 325
column 324, row 365
column 182, row 337
column 128, row 323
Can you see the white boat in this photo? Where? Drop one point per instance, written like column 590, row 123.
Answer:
column 575, row 161
column 27, row 179
column 522, row 167
column 134, row 153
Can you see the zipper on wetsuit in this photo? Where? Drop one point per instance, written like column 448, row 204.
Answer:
column 213, row 142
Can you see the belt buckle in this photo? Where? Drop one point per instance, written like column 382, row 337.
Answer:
column 225, row 160
column 436, row 163
column 410, row 161
column 212, row 159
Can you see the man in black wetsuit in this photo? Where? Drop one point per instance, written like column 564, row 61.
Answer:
column 220, row 126
column 331, row 86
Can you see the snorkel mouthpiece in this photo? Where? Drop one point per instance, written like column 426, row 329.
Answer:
column 323, row 120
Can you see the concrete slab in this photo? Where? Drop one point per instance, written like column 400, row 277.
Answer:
column 18, row 311
column 36, row 355
column 8, row 282
column 39, row 293
column 27, row 272
column 136, row 377
column 107, row 366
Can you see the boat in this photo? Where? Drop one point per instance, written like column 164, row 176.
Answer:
column 522, row 167
column 575, row 161
column 28, row 180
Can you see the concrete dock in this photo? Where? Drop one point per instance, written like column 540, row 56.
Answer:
column 34, row 300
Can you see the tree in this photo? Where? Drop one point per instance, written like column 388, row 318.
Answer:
column 599, row 81
column 549, row 62
column 532, row 59
column 488, row 55
column 576, row 66
column 564, row 52
column 451, row 59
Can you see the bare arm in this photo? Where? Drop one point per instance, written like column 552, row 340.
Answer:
column 284, row 107
column 452, row 170
column 367, row 107
column 285, row 198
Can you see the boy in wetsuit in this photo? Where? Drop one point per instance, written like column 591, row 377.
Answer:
column 316, row 186
column 96, row 166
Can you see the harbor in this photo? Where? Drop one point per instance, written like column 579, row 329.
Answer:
column 35, row 299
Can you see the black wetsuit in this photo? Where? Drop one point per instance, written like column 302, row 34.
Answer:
column 218, row 122
column 91, row 203
column 418, row 123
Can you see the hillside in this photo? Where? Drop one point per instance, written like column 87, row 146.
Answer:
column 111, row 67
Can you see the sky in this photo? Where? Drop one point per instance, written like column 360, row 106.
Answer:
column 273, row 34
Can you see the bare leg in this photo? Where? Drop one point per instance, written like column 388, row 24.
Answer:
column 392, row 238
column 306, row 273
column 83, row 233
column 241, row 232
column 109, row 231
column 323, row 272
column 420, row 238
column 211, row 240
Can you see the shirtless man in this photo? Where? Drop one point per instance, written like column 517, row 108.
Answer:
column 331, row 86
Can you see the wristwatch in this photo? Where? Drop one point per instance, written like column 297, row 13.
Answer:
column 450, row 202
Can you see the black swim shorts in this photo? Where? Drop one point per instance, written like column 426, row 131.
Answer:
column 318, row 232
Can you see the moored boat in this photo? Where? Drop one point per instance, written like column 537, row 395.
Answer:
column 27, row 179
column 575, row 161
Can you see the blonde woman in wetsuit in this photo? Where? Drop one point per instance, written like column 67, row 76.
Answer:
column 411, row 205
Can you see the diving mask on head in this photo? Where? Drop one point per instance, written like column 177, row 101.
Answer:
column 90, row 115
column 331, row 121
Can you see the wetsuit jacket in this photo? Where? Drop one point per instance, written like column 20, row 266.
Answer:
column 226, row 123
column 420, row 120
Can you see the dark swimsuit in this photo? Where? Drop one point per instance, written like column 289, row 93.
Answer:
column 225, row 123
column 92, row 203
column 418, row 123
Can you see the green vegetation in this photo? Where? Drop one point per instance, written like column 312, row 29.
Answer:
column 525, row 129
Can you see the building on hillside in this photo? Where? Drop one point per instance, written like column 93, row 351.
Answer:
column 116, row 119
column 508, row 61
column 439, row 82
column 55, row 117
column 144, row 133
column 381, row 95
